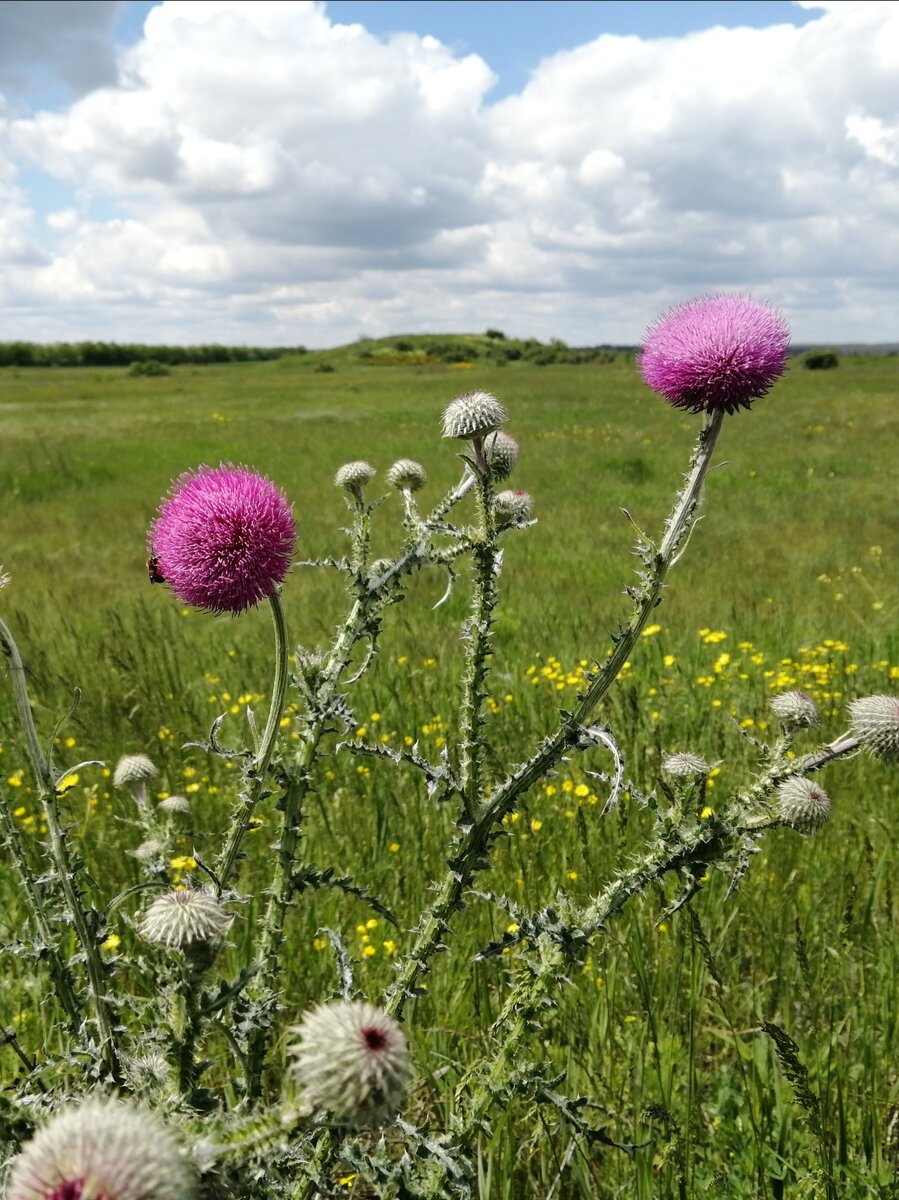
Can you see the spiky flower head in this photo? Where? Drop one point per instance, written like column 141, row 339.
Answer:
column 795, row 709
column 4, row 579
column 352, row 1061
column 103, row 1150
column 874, row 720
column 472, row 415
column 353, row 476
column 407, row 476
column 512, row 507
column 715, row 353
column 501, row 454
column 134, row 770
column 802, row 804
column 175, row 804
column 223, row 539
column 685, row 764
column 184, row 918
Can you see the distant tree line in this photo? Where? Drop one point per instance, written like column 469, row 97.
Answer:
column 123, row 354
column 496, row 349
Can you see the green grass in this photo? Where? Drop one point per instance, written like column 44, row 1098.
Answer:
column 796, row 555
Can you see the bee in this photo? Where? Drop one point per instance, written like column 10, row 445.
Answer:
column 155, row 575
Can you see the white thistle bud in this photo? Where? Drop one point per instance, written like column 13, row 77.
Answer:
column 352, row 1061
column 795, row 709
column 353, row 476
column 4, row 579
column 802, row 804
column 407, row 476
column 512, row 507
column 175, row 804
column 103, row 1150
column 501, row 454
column 874, row 720
column 472, row 415
column 185, row 918
column 685, row 764
column 134, row 771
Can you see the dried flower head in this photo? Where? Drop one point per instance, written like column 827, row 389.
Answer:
column 874, row 720
column 223, row 539
column 134, row 769
column 353, row 476
column 685, row 764
column 352, row 1061
column 802, row 804
column 407, row 476
column 472, row 415
column 795, row 709
column 716, row 352
column 185, row 917
column 512, row 507
column 501, row 454
column 103, row 1150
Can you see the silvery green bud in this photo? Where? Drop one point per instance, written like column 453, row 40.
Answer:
column 512, row 507
column 472, row 415
column 874, row 720
column 134, row 770
column 353, row 476
column 184, row 918
column 795, row 709
column 501, row 454
column 175, row 804
column 352, row 1062
column 802, row 804
column 684, row 764
column 103, row 1149
column 407, row 476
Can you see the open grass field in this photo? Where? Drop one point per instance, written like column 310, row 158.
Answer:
column 790, row 580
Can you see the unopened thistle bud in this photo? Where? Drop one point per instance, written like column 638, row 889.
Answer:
column 472, row 415
column 103, row 1150
column 407, row 476
column 874, row 720
column 352, row 1062
column 4, row 579
column 802, row 804
column 353, row 476
column 185, row 918
column 512, row 507
column 795, row 709
column 684, row 764
column 134, row 772
column 500, row 454
column 175, row 804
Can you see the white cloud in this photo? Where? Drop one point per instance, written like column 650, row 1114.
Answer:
column 67, row 39
column 282, row 178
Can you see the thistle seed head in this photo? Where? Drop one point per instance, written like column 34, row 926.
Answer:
column 802, row 804
column 472, row 415
column 874, row 720
column 513, row 507
column 795, row 709
column 501, row 454
column 407, row 476
column 184, row 918
column 103, row 1150
column 134, row 770
column 352, row 1061
column 353, row 476
column 684, row 764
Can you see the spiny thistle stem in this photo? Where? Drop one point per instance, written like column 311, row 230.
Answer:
column 229, row 857
column 473, row 843
column 46, row 787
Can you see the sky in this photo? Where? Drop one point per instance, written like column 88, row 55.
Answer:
column 283, row 172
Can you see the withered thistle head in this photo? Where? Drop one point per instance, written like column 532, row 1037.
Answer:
column 352, row 1062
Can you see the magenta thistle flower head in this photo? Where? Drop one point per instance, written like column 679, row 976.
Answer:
column 715, row 353
column 223, row 539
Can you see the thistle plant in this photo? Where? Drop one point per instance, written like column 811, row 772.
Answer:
column 224, row 542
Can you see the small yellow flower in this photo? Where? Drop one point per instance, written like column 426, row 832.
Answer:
column 319, row 943
column 536, row 826
column 370, row 951
column 112, row 942
column 390, row 947
column 651, row 631
column 706, row 813
column 184, row 862
column 572, row 875
column 393, row 847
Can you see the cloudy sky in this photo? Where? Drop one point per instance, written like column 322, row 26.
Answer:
column 296, row 171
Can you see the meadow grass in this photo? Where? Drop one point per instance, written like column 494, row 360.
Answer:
column 789, row 581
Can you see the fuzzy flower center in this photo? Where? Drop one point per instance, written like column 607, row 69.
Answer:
column 72, row 1189
column 374, row 1039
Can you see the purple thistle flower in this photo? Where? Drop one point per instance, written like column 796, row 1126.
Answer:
column 716, row 352
column 223, row 539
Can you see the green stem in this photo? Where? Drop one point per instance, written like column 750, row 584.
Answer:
column 241, row 825
column 46, row 787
